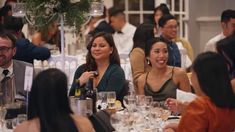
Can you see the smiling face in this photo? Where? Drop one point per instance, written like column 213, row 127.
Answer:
column 7, row 51
column 158, row 55
column 169, row 30
column 100, row 49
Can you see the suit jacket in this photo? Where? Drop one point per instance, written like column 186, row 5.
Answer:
column 102, row 27
column 19, row 74
column 27, row 51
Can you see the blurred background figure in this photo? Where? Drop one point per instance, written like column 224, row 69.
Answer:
column 124, row 30
column 162, row 80
column 215, row 105
column 139, row 66
column 26, row 51
column 228, row 26
column 49, row 108
column 101, row 24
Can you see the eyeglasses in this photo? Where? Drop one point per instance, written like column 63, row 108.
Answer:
column 172, row 27
column 5, row 49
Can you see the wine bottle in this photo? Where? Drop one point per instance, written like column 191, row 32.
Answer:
column 80, row 92
column 91, row 93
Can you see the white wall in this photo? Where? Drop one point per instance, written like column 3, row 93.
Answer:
column 204, row 20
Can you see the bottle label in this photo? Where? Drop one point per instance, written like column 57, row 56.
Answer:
column 77, row 92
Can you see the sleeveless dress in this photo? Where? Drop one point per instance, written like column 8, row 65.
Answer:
column 168, row 89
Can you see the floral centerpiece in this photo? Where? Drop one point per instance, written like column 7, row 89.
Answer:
column 41, row 13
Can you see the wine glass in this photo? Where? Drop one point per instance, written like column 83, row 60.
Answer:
column 129, row 102
column 111, row 98
column 3, row 113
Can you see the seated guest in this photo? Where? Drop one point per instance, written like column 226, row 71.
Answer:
column 214, row 108
column 102, row 57
column 14, row 67
column 26, row 51
column 168, row 27
column 49, row 109
column 139, row 66
column 162, row 80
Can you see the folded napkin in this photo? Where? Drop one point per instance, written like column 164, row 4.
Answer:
column 184, row 96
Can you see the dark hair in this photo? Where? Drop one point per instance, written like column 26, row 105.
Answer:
column 114, row 56
column 164, row 19
column 49, row 102
column 163, row 8
column 114, row 11
column 150, row 44
column 212, row 74
column 226, row 48
column 6, row 35
column 143, row 33
column 13, row 23
column 227, row 15
column 4, row 10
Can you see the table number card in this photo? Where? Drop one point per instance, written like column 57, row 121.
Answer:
column 28, row 79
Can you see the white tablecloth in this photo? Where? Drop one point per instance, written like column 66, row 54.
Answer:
column 71, row 63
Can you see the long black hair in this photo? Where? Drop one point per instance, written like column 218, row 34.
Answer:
column 213, row 78
column 49, row 102
column 143, row 33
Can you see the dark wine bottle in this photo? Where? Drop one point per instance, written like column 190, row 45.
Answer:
column 91, row 93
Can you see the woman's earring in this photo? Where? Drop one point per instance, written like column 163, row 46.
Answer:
column 148, row 62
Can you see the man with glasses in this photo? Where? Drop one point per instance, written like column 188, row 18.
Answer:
column 228, row 26
column 168, row 27
column 10, row 67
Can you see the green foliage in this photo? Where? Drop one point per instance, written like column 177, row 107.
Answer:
column 41, row 13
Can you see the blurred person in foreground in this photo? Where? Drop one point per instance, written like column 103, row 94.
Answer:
column 214, row 108
column 49, row 109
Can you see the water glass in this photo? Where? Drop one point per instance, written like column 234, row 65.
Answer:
column 101, row 101
column 129, row 102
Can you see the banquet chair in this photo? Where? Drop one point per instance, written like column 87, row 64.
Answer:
column 70, row 65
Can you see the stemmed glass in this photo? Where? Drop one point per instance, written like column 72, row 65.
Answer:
column 3, row 113
column 129, row 102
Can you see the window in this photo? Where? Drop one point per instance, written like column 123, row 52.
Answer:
column 139, row 11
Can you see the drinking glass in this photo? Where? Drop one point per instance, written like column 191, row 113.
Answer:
column 111, row 98
column 101, row 102
column 129, row 102
column 21, row 118
column 3, row 113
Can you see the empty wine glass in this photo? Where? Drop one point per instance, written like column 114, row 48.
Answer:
column 129, row 102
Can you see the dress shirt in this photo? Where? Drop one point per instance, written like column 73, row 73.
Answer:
column 211, row 44
column 123, row 41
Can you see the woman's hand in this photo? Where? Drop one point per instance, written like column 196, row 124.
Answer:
column 85, row 77
column 173, row 105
